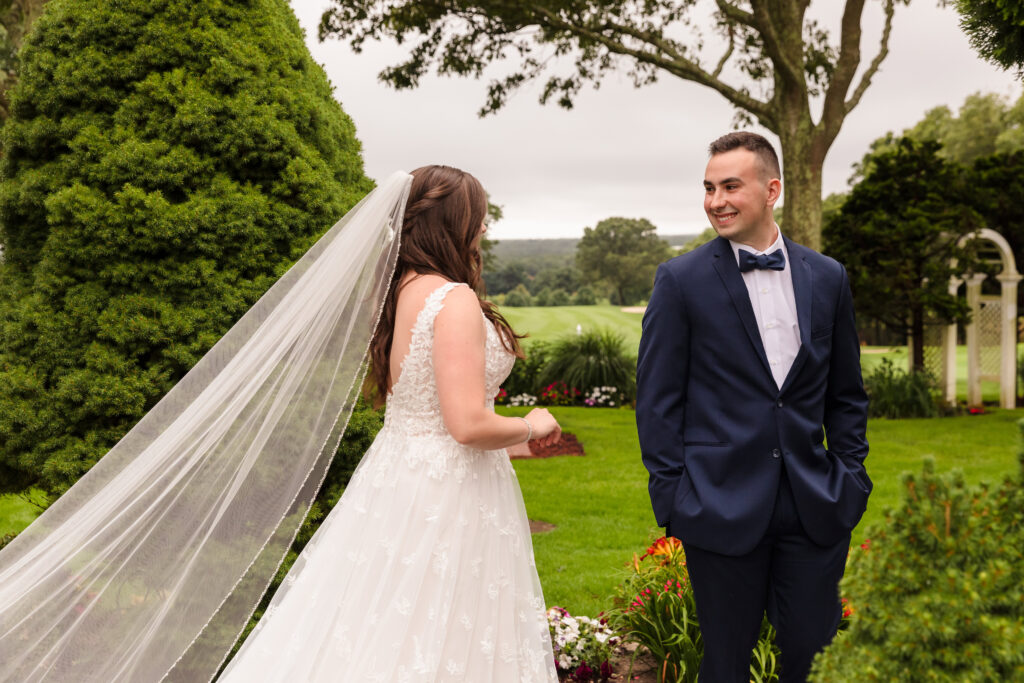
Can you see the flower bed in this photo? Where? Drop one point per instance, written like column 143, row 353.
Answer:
column 583, row 646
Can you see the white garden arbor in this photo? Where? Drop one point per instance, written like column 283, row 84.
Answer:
column 992, row 330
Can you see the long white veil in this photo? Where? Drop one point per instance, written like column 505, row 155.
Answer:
column 149, row 567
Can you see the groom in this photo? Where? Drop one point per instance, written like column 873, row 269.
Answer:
column 749, row 361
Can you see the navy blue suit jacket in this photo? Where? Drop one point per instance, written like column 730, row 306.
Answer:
column 714, row 427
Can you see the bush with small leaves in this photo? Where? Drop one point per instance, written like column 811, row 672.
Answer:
column 939, row 594
column 164, row 163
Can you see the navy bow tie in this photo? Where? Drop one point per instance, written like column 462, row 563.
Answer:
column 773, row 261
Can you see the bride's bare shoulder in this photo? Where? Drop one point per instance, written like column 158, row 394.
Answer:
column 415, row 290
column 420, row 286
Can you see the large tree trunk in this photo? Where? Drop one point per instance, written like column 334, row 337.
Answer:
column 803, row 154
column 801, row 212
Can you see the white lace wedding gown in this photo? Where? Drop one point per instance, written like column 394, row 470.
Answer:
column 424, row 571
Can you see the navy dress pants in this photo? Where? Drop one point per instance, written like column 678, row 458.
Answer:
column 788, row 576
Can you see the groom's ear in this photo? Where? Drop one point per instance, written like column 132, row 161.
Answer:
column 774, row 188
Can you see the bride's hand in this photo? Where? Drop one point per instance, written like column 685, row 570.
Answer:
column 546, row 430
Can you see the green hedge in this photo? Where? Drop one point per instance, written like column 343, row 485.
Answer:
column 939, row 593
column 165, row 161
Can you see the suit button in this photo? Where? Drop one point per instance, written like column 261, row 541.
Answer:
column 776, row 453
column 778, row 404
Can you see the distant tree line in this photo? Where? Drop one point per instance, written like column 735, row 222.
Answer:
column 614, row 261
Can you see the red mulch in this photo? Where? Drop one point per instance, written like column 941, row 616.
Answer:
column 567, row 445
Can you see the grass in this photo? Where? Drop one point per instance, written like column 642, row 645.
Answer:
column 547, row 323
column 602, row 513
column 15, row 514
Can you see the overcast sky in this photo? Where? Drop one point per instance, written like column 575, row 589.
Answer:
column 624, row 151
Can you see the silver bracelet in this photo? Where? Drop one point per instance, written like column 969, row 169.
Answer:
column 529, row 435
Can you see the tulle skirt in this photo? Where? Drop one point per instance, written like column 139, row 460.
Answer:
column 424, row 571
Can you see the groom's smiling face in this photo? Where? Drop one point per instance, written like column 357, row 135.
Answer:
column 739, row 195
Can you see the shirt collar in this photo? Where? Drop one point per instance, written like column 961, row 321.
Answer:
column 775, row 246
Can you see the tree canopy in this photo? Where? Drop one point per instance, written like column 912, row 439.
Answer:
column 622, row 254
column 897, row 233
column 774, row 63
column 985, row 124
column 164, row 162
column 996, row 30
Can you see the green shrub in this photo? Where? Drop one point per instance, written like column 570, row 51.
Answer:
column 525, row 375
column 520, row 296
column 596, row 358
column 559, row 297
column 898, row 394
column 164, row 162
column 939, row 594
column 584, row 296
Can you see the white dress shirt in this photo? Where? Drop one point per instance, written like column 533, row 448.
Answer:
column 774, row 304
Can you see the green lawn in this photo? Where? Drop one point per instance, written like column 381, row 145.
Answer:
column 600, row 507
column 551, row 322
column 602, row 514
column 15, row 514
column 548, row 323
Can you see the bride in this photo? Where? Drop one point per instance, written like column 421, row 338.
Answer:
column 423, row 571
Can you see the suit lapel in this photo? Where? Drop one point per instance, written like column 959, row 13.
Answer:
column 724, row 262
column 803, row 284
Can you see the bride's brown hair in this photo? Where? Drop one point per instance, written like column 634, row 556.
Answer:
column 443, row 218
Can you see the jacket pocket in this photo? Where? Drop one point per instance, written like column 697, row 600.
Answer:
column 822, row 332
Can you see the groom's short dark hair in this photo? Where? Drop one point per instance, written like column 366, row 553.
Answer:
column 751, row 142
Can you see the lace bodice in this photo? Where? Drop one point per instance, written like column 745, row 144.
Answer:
column 413, row 406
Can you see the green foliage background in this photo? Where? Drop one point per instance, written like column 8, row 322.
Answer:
column 996, row 30
column 622, row 254
column 939, row 593
column 165, row 161
column 897, row 234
